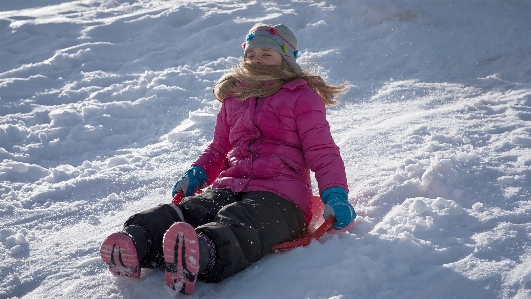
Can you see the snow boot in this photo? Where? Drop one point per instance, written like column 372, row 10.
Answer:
column 181, row 253
column 119, row 252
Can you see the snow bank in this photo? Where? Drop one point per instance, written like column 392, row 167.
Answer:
column 104, row 103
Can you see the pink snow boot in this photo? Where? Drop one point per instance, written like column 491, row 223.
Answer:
column 181, row 253
column 119, row 252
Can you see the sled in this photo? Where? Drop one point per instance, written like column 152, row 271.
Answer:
column 317, row 211
column 307, row 239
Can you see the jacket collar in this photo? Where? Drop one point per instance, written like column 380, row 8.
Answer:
column 291, row 85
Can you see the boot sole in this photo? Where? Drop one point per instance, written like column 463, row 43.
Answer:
column 181, row 253
column 118, row 251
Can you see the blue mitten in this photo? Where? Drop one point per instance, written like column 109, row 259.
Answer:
column 337, row 205
column 195, row 178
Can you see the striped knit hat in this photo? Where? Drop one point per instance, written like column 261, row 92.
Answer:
column 279, row 38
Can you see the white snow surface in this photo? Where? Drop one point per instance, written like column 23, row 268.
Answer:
column 105, row 103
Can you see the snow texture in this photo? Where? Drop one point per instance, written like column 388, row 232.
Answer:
column 105, row 103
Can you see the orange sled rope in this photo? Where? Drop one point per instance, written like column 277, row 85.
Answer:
column 317, row 234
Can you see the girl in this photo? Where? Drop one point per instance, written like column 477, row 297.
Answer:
column 270, row 132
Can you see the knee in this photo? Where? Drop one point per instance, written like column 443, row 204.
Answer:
column 162, row 213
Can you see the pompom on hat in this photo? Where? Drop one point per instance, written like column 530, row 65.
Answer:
column 279, row 38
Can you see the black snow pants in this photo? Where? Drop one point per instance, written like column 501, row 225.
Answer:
column 243, row 226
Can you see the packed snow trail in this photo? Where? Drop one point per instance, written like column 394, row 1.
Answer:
column 104, row 103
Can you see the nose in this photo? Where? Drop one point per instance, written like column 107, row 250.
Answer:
column 255, row 59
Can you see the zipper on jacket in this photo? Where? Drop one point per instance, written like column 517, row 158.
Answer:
column 252, row 149
column 252, row 143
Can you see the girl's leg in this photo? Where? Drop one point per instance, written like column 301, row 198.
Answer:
column 136, row 245
column 202, row 208
column 147, row 230
column 245, row 231
column 152, row 224
column 139, row 244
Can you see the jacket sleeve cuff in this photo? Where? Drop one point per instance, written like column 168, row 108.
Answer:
column 327, row 192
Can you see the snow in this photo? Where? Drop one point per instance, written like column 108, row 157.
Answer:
column 104, row 103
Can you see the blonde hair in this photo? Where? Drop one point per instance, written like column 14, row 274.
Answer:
column 248, row 80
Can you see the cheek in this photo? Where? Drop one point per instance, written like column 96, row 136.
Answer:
column 271, row 62
column 276, row 60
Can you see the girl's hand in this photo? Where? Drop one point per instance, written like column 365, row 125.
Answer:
column 337, row 205
column 194, row 178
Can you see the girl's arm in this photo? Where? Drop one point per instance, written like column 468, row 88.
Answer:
column 324, row 159
column 212, row 160
column 320, row 151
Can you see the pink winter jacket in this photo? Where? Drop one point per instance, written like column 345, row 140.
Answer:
column 272, row 143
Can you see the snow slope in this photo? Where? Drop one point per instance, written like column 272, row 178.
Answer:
column 104, row 103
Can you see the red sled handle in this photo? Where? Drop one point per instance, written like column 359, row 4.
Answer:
column 326, row 226
column 180, row 195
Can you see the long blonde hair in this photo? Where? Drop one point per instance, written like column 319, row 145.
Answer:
column 248, row 80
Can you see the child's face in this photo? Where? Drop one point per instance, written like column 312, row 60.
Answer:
column 264, row 56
